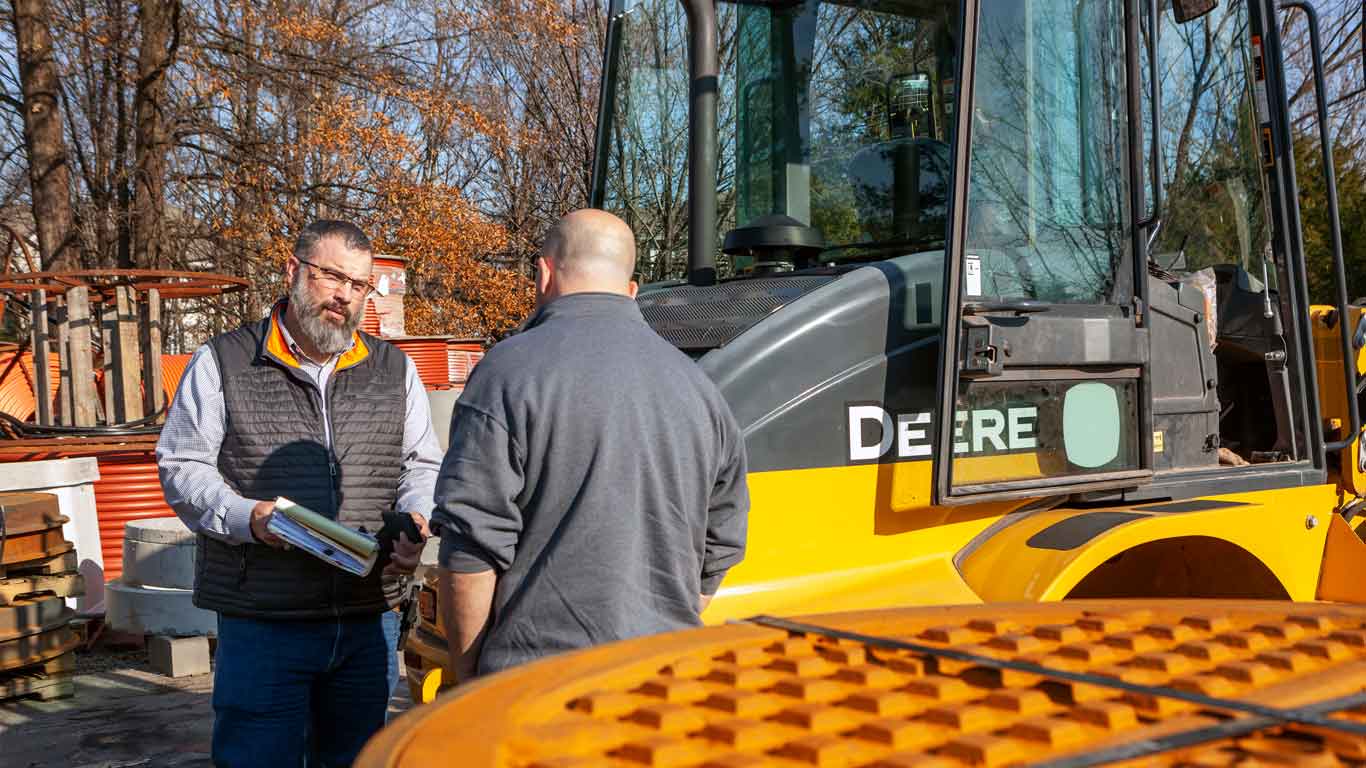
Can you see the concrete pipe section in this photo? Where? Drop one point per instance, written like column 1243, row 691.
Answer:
column 154, row 595
column 443, row 406
column 1171, row 682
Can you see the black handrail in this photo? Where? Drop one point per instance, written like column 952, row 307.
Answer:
column 704, row 67
column 1334, row 224
column 607, row 96
column 1155, row 107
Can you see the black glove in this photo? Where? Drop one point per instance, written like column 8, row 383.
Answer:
column 395, row 523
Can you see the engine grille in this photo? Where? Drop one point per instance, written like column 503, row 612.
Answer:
column 701, row 318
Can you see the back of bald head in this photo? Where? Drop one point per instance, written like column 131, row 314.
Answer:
column 591, row 250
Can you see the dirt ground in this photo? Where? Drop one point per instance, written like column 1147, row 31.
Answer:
column 123, row 716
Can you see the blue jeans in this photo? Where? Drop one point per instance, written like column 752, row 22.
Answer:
column 296, row 693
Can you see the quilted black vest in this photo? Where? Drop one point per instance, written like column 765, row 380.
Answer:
column 275, row 444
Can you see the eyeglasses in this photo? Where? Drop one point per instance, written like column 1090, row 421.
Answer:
column 334, row 279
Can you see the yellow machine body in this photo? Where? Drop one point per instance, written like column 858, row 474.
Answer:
column 870, row 536
column 970, row 363
column 1348, row 468
column 1276, row 544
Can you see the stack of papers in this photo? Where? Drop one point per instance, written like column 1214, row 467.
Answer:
column 327, row 540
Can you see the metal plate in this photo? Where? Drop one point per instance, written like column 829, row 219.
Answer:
column 748, row 695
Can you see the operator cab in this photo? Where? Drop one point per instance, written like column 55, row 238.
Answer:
column 1118, row 310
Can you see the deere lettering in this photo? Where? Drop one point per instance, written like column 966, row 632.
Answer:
column 908, row 435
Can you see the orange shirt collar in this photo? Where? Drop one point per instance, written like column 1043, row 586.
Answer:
column 278, row 348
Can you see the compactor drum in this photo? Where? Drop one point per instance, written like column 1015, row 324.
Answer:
column 1171, row 682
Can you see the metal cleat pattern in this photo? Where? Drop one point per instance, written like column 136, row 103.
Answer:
column 926, row 687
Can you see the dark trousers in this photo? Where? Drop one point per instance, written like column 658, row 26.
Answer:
column 301, row 693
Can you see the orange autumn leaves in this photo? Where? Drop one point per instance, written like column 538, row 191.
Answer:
column 334, row 111
column 453, row 288
column 453, row 133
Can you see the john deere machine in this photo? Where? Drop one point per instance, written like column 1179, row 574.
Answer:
column 1012, row 300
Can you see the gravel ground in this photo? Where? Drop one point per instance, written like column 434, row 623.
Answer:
column 123, row 715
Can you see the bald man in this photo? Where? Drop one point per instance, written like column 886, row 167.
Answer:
column 594, row 488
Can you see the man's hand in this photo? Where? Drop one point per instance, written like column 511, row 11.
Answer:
column 407, row 554
column 260, row 518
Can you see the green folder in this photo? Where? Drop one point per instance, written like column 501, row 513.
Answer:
column 362, row 546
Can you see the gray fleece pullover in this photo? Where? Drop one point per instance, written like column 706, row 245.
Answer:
column 599, row 472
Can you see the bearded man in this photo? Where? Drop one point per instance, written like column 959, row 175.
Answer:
column 302, row 405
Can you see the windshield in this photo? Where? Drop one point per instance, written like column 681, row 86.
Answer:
column 841, row 115
column 845, row 117
column 1048, row 214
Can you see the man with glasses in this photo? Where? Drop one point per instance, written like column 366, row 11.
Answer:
column 301, row 405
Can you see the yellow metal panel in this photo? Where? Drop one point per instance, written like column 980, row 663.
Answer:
column 976, row 470
column 1343, row 574
column 849, row 537
column 431, row 686
column 841, row 538
column 1333, row 390
column 1271, row 526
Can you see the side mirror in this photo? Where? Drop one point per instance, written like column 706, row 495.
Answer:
column 1190, row 10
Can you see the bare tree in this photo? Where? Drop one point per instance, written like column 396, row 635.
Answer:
column 159, row 24
column 43, row 137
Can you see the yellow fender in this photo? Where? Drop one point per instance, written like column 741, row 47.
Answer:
column 1343, row 576
column 1267, row 544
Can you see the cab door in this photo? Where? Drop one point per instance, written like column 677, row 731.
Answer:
column 1045, row 371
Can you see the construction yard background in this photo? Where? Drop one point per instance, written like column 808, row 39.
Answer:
column 123, row 715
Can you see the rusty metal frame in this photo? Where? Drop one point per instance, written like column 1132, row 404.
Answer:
column 173, row 284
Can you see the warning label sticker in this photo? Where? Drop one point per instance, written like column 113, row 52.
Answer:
column 972, row 275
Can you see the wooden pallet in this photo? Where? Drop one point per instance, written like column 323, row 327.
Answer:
column 37, row 649
column 31, row 615
column 23, row 548
column 68, row 584
column 30, row 530
column 34, row 630
column 50, row 558
column 37, row 574
column 60, row 562
column 28, row 512
column 51, row 679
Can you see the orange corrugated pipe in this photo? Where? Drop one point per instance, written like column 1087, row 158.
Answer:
column 16, row 389
column 172, row 370
column 369, row 322
column 461, row 357
column 430, row 357
column 17, row 397
column 128, row 489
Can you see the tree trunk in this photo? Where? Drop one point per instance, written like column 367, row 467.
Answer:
column 159, row 21
column 47, row 162
column 122, row 183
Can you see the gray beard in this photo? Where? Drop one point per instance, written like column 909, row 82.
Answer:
column 327, row 337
